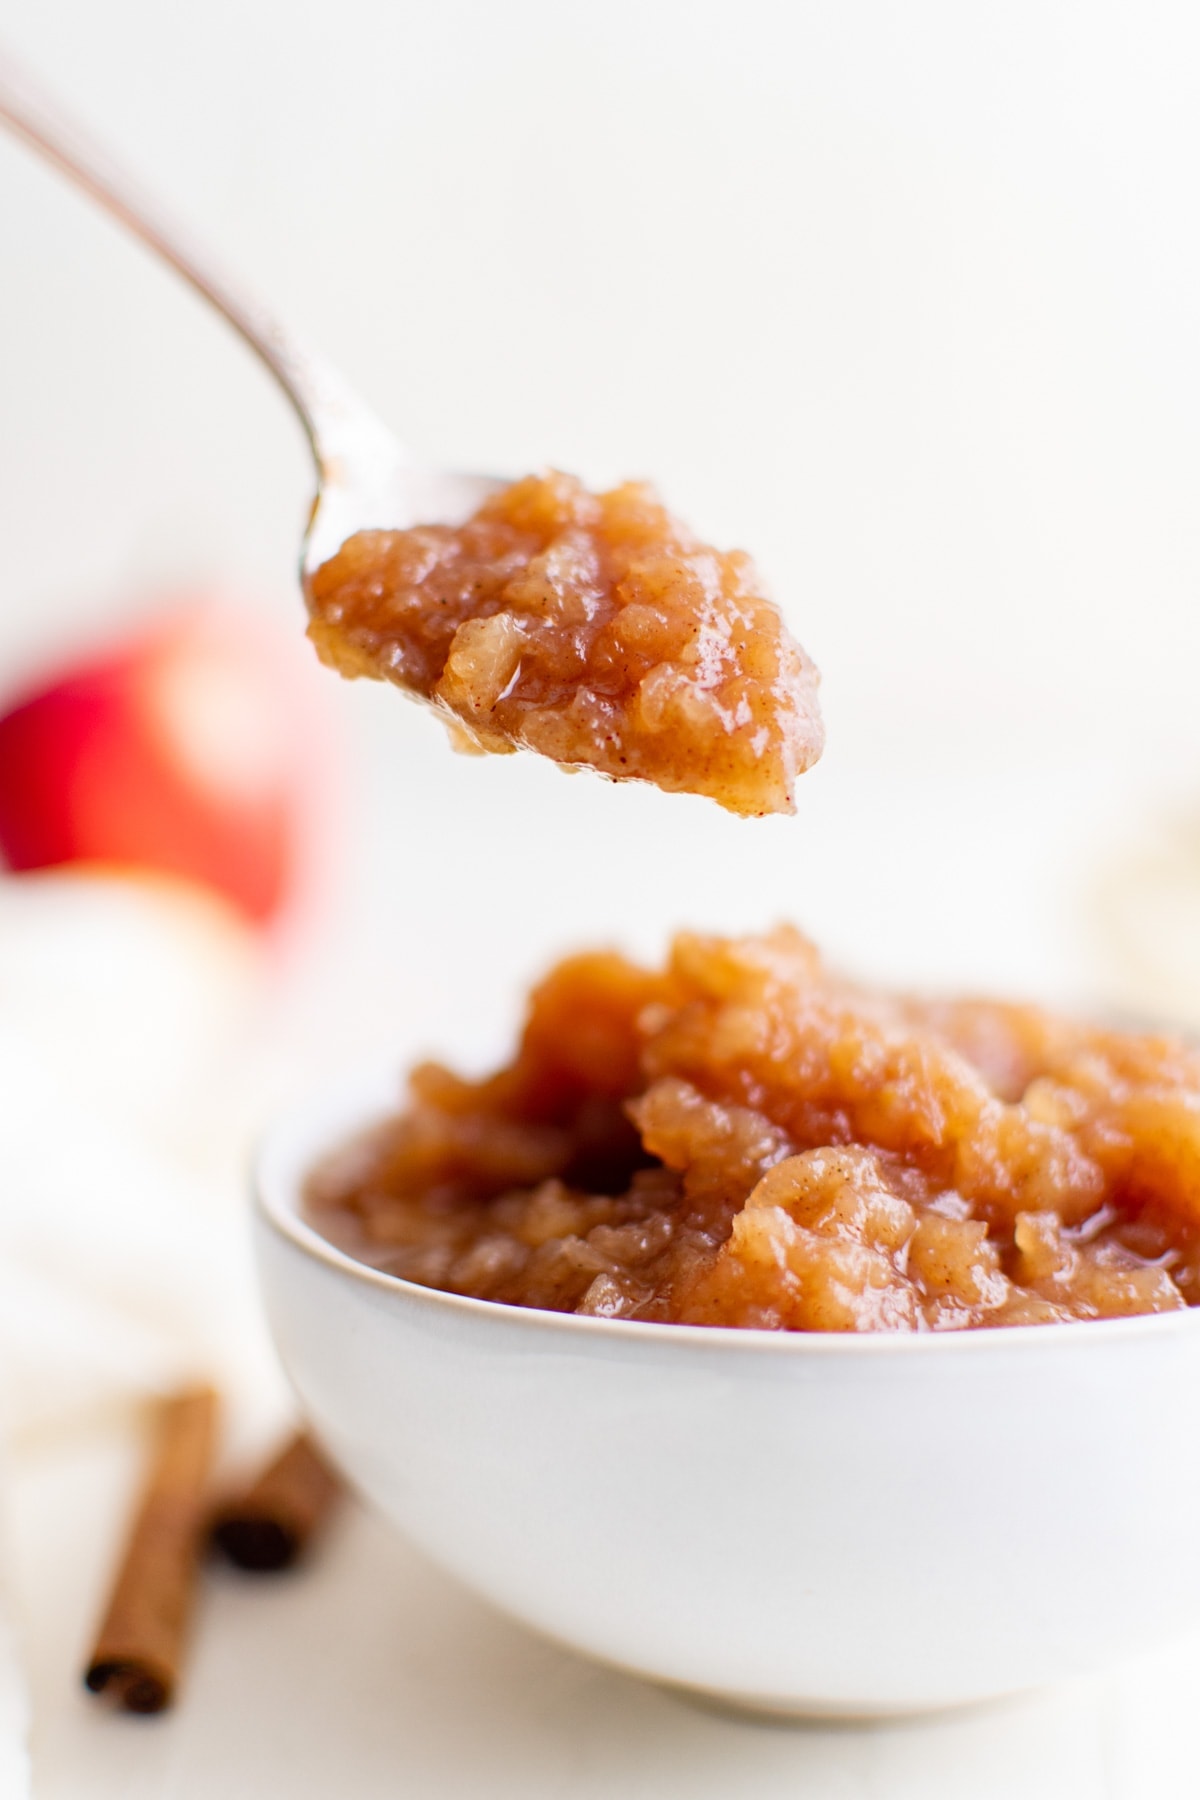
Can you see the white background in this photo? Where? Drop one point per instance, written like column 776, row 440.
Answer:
column 901, row 297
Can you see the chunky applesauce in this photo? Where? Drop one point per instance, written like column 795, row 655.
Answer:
column 744, row 1139
column 594, row 628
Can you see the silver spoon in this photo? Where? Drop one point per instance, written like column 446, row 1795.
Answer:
column 365, row 477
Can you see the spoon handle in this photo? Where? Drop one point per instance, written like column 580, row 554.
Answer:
column 339, row 427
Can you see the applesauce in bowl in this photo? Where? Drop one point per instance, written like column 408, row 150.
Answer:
column 743, row 1139
column 841, row 1500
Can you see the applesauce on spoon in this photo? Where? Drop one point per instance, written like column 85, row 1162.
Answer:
column 593, row 628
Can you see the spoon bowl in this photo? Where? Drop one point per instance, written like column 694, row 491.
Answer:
column 803, row 1523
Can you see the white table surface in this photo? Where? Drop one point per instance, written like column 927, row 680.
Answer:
column 371, row 1674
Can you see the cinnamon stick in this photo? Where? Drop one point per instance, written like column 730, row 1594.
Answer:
column 271, row 1524
column 139, row 1646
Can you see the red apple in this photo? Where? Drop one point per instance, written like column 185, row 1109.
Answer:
column 188, row 749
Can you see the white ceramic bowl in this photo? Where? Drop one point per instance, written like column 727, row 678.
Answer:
column 806, row 1523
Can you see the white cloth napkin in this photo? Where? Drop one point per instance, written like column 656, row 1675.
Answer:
column 125, row 1008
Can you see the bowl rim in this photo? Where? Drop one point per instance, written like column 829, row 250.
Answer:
column 301, row 1134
